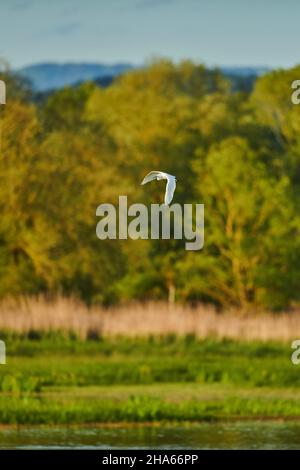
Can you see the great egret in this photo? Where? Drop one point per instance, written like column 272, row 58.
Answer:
column 171, row 183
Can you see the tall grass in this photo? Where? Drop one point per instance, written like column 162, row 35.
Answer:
column 63, row 314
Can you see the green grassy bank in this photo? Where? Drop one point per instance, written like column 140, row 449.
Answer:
column 60, row 379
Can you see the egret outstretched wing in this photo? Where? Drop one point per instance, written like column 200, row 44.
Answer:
column 151, row 176
column 170, row 188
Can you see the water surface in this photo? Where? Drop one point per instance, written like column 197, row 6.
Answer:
column 238, row 435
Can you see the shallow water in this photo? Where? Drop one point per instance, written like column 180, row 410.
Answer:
column 238, row 435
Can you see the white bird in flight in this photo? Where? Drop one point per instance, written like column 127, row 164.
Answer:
column 171, row 183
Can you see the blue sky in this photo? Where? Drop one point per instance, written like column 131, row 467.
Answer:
column 216, row 32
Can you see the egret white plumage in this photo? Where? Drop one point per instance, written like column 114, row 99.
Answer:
column 161, row 175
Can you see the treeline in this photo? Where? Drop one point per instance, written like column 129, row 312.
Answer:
column 236, row 152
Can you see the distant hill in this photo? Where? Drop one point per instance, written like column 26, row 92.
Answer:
column 51, row 76
column 243, row 78
column 242, row 72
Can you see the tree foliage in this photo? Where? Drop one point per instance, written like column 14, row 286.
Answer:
column 235, row 152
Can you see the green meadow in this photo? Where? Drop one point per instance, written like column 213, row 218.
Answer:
column 54, row 378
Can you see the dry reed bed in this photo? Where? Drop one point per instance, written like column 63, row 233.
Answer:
column 145, row 319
